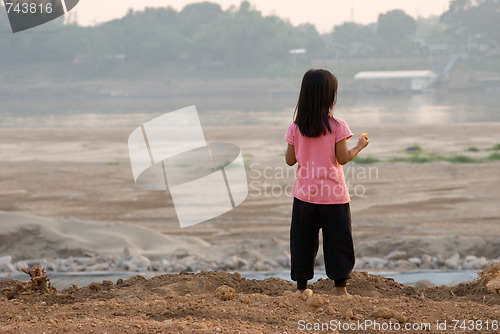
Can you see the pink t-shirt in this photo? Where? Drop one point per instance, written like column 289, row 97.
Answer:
column 320, row 178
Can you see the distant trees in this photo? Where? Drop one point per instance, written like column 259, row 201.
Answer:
column 243, row 37
column 393, row 34
column 396, row 26
column 396, row 30
column 478, row 19
column 352, row 38
column 203, row 36
column 470, row 25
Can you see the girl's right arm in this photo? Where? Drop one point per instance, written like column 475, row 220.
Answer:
column 344, row 155
column 290, row 155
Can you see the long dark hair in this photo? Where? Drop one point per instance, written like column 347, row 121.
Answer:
column 318, row 95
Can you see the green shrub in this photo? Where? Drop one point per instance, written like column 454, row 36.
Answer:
column 461, row 159
column 413, row 159
column 494, row 156
column 365, row 160
column 496, row 147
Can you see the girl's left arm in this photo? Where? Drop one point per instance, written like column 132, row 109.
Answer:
column 344, row 155
column 290, row 155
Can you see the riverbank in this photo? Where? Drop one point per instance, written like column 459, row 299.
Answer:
column 72, row 245
column 68, row 201
column 135, row 80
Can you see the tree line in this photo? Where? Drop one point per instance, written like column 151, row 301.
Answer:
column 203, row 36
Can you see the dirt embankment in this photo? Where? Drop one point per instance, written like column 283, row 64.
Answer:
column 213, row 302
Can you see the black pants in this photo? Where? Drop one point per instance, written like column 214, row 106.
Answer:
column 335, row 222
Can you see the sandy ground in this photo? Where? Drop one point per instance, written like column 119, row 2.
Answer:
column 85, row 174
column 429, row 208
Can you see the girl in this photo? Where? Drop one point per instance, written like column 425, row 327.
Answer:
column 317, row 141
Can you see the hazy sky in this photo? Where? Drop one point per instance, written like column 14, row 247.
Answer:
column 323, row 13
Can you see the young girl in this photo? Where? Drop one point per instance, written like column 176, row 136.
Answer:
column 317, row 141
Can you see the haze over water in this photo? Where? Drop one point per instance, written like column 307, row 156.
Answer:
column 426, row 108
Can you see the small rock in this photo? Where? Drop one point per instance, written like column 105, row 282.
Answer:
column 470, row 258
column 243, row 263
column 387, row 313
column 181, row 253
column 235, row 262
column 473, row 263
column 452, row 261
column 138, row 263
column 48, row 264
column 225, row 292
column 283, row 260
column 261, row 266
column 371, row 263
column 92, row 259
column 107, row 283
column 244, row 299
column 415, row 261
column 426, row 260
column 179, row 327
column 270, row 263
column 436, row 263
column 330, row 310
column 156, row 266
column 201, row 327
column 126, row 254
column 315, row 301
column 422, row 284
column 493, row 286
column 21, row 264
column 99, row 267
column 190, row 263
column 306, row 294
column 396, row 255
column 6, row 265
column 402, row 264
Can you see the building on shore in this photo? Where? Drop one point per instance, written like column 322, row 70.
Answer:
column 396, row 80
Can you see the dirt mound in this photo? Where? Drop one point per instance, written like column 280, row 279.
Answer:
column 483, row 289
column 39, row 283
column 366, row 285
column 210, row 302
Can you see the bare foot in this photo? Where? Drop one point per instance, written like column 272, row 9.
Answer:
column 342, row 291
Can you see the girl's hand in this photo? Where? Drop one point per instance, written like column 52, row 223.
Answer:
column 363, row 141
